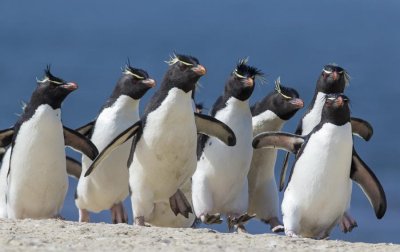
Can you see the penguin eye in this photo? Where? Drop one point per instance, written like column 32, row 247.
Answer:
column 327, row 71
column 239, row 75
column 331, row 98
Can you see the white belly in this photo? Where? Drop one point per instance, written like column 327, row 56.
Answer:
column 165, row 156
column 108, row 184
column 37, row 183
column 263, row 192
column 223, row 168
column 3, row 183
column 320, row 186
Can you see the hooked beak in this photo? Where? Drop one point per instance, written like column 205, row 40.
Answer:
column 249, row 82
column 199, row 69
column 297, row 102
column 149, row 82
column 71, row 86
column 339, row 101
column 334, row 75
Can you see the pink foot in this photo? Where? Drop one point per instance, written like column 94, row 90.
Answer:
column 347, row 223
column 118, row 214
column 290, row 233
column 275, row 224
column 84, row 215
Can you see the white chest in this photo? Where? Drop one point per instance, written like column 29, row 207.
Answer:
column 313, row 118
column 38, row 178
column 235, row 159
column 165, row 155
column 321, row 174
column 263, row 161
column 115, row 119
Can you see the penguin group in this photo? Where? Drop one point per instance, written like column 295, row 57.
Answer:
column 181, row 167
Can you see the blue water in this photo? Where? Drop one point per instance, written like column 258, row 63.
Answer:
column 89, row 41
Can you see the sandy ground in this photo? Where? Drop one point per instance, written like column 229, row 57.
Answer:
column 58, row 235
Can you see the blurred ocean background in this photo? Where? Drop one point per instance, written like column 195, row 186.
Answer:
column 89, row 41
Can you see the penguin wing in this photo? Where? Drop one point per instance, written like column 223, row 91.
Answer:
column 79, row 142
column 86, row 129
column 211, row 126
column 120, row 139
column 74, row 167
column 278, row 140
column 369, row 183
column 283, row 172
column 361, row 128
column 285, row 164
column 6, row 137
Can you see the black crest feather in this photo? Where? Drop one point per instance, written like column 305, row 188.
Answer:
column 243, row 69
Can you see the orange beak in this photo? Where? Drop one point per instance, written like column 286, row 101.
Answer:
column 149, row 82
column 70, row 86
column 199, row 69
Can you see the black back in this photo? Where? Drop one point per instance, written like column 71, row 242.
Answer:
column 279, row 103
column 236, row 86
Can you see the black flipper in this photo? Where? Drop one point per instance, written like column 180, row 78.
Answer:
column 369, row 183
column 179, row 204
column 131, row 153
column 283, row 172
column 120, row 139
column 80, row 143
column 6, row 137
column 210, row 126
column 74, row 168
column 278, row 140
column 361, row 128
column 86, row 129
column 2, row 153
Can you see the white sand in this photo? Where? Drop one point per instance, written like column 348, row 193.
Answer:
column 58, row 235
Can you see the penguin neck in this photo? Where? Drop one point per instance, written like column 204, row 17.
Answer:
column 267, row 121
column 236, row 103
column 313, row 116
column 126, row 102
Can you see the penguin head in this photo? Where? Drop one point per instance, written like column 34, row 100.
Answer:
column 333, row 79
column 336, row 109
column 242, row 81
column 184, row 71
column 134, row 82
column 52, row 90
column 283, row 101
